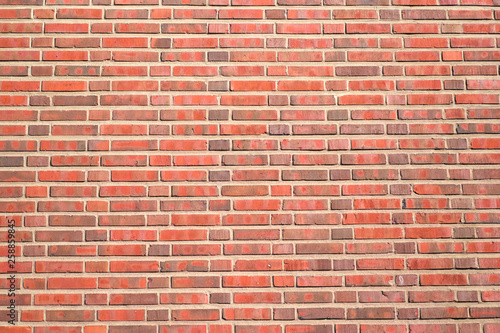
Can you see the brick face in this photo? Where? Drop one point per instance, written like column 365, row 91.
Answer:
column 251, row 165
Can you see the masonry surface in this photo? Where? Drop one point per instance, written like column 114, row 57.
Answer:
column 250, row 166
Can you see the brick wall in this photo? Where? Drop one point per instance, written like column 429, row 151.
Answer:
column 244, row 166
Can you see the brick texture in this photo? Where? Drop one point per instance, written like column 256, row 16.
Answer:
column 251, row 166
